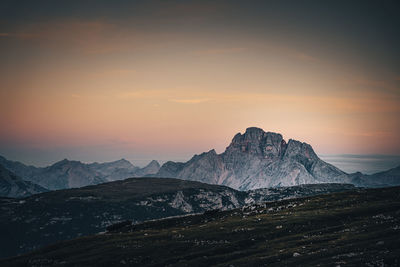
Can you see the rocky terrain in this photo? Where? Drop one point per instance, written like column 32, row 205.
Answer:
column 13, row 186
column 354, row 228
column 42, row 219
column 72, row 174
column 258, row 159
column 255, row 159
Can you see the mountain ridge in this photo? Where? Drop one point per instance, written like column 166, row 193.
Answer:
column 13, row 186
column 259, row 159
column 73, row 173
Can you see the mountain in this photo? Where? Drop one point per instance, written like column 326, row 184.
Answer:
column 152, row 168
column 353, row 228
column 64, row 214
column 258, row 159
column 13, row 186
column 19, row 168
column 71, row 174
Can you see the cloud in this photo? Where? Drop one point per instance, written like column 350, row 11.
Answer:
column 117, row 72
column 188, row 10
column 165, row 95
column 140, row 94
column 378, row 134
column 190, row 101
column 304, row 57
column 21, row 36
column 89, row 36
column 380, row 85
column 220, row 51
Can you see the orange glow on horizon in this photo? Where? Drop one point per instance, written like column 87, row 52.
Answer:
column 189, row 92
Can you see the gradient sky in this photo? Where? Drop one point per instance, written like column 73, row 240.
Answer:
column 102, row 80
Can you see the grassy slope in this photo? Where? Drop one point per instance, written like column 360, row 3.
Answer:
column 350, row 228
column 43, row 219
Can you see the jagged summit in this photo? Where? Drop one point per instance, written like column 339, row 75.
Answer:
column 257, row 159
column 257, row 142
column 72, row 173
column 152, row 168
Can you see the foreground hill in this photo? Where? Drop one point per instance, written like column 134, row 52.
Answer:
column 72, row 174
column 43, row 219
column 357, row 228
column 258, row 159
column 13, row 186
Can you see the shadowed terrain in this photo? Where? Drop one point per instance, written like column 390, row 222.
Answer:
column 30, row 223
column 359, row 227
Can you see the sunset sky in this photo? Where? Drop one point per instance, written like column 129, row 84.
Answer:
column 102, row 80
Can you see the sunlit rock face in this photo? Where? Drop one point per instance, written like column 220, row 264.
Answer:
column 257, row 143
column 257, row 159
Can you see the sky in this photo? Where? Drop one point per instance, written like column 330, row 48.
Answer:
column 142, row 80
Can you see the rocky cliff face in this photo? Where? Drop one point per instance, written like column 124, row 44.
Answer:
column 257, row 159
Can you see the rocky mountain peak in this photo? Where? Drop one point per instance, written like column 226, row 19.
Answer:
column 151, row 168
column 256, row 159
column 296, row 148
column 63, row 163
column 122, row 163
column 256, row 141
column 154, row 163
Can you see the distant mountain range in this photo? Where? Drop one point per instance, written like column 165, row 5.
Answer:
column 255, row 159
column 71, row 174
column 258, row 159
column 13, row 186
column 45, row 218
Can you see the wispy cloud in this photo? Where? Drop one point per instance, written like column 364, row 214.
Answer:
column 220, row 51
column 304, row 57
column 373, row 134
column 140, row 94
column 21, row 36
column 190, row 100
column 386, row 85
column 89, row 36
column 179, row 96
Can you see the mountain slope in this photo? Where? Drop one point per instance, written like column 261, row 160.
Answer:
column 387, row 178
column 356, row 228
column 257, row 159
column 72, row 174
column 13, row 186
column 64, row 214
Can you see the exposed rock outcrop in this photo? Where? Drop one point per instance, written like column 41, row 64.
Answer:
column 259, row 159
